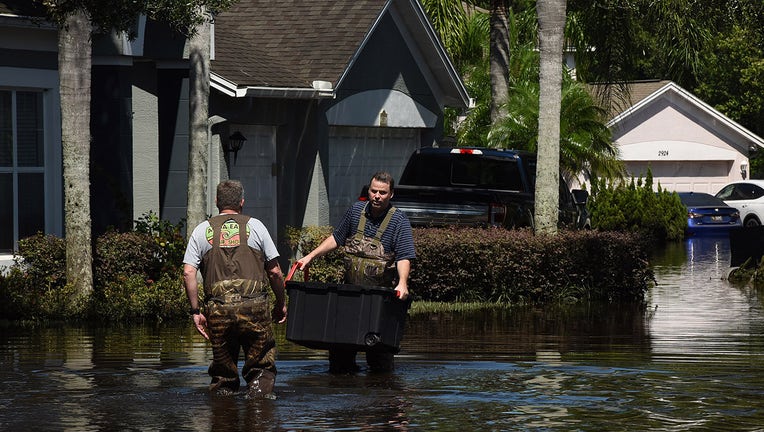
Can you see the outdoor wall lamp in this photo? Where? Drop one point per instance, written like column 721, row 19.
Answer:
column 744, row 170
column 234, row 144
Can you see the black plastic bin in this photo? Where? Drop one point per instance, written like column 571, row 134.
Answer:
column 366, row 318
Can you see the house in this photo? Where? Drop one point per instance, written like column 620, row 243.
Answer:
column 687, row 144
column 322, row 94
column 326, row 93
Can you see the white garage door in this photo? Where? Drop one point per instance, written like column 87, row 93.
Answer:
column 355, row 153
column 685, row 176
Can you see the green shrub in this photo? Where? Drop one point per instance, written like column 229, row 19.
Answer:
column 511, row 266
column 328, row 268
column 167, row 236
column 131, row 296
column 136, row 274
column 130, row 253
column 36, row 278
column 497, row 265
column 637, row 208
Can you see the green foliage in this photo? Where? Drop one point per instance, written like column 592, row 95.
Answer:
column 131, row 296
column 636, row 207
column 119, row 254
column 328, row 268
column 36, row 278
column 137, row 275
column 514, row 266
column 732, row 79
column 167, row 236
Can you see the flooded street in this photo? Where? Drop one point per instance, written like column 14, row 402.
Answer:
column 692, row 360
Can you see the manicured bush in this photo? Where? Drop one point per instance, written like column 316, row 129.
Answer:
column 515, row 266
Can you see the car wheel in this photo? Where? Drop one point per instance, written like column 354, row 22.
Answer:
column 752, row 221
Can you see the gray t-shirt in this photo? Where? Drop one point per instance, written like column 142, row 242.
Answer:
column 201, row 242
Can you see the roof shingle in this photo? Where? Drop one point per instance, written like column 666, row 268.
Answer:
column 290, row 43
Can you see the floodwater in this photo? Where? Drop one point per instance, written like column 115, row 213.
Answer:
column 692, row 360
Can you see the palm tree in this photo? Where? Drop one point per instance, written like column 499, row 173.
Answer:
column 199, row 96
column 586, row 147
column 74, row 64
column 551, row 16
column 76, row 20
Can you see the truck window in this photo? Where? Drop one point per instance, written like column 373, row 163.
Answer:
column 463, row 171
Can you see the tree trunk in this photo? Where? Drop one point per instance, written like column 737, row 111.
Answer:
column 198, row 140
column 499, row 57
column 551, row 19
column 74, row 65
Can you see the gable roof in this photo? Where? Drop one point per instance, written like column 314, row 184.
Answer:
column 304, row 48
column 645, row 94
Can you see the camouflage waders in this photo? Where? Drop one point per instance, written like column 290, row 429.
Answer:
column 238, row 310
column 366, row 263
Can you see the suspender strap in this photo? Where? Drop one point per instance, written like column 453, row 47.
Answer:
column 382, row 226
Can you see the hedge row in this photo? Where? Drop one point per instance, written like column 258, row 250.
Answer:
column 498, row 265
column 137, row 274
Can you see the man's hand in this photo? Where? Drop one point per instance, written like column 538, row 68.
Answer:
column 279, row 314
column 402, row 291
column 201, row 325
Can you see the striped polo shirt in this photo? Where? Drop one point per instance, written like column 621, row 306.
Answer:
column 397, row 238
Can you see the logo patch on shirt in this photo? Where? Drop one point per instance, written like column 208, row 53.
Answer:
column 229, row 234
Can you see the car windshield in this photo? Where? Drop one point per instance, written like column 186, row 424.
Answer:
column 696, row 199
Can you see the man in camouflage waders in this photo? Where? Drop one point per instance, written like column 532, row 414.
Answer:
column 379, row 247
column 238, row 260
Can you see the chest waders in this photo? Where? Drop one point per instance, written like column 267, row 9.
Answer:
column 366, row 262
column 238, row 309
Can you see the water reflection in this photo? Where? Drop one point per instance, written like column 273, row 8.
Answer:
column 692, row 359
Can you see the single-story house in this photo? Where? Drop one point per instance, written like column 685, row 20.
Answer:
column 686, row 143
column 322, row 93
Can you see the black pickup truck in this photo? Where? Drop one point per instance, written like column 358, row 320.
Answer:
column 468, row 186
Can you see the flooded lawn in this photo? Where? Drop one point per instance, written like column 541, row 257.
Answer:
column 692, row 360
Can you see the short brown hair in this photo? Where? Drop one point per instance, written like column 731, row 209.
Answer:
column 384, row 177
column 229, row 195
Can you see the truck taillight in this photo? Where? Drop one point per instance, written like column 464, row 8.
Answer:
column 466, row 151
column 497, row 213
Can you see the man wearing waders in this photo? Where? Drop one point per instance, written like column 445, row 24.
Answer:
column 379, row 248
column 238, row 260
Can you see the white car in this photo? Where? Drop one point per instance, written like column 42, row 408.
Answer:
column 748, row 197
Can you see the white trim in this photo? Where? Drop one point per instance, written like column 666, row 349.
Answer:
column 229, row 88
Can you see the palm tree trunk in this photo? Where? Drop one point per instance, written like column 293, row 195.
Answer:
column 551, row 18
column 499, row 57
column 198, row 142
column 74, row 62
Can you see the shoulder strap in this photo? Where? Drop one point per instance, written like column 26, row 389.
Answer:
column 362, row 221
column 385, row 223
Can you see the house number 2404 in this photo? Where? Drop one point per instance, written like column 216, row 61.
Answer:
column 662, row 153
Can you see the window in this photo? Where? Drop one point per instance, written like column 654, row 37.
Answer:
column 22, row 166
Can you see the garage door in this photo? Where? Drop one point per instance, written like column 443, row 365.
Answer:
column 685, row 176
column 355, row 153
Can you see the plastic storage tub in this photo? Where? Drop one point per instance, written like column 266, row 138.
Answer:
column 366, row 318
